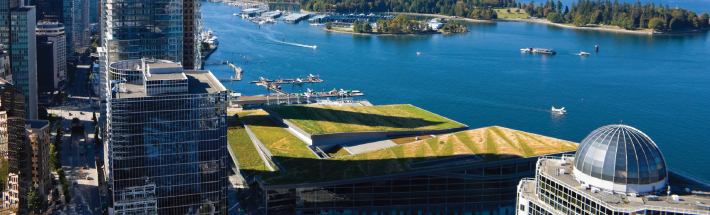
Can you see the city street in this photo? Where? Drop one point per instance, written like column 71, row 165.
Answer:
column 76, row 156
column 78, row 151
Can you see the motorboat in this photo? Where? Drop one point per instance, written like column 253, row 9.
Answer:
column 235, row 14
column 418, row 53
column 583, row 53
column 559, row 111
column 538, row 50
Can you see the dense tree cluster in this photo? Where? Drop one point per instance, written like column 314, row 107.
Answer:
column 401, row 24
column 624, row 15
column 481, row 9
column 454, row 28
column 363, row 27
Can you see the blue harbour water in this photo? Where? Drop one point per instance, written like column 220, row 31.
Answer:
column 658, row 84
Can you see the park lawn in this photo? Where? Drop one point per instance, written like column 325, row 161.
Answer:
column 503, row 13
column 242, row 147
column 285, row 147
column 341, row 29
column 340, row 119
column 489, row 143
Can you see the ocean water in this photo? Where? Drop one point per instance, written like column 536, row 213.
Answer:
column 658, row 84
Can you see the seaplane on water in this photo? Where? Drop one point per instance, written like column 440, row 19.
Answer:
column 559, row 111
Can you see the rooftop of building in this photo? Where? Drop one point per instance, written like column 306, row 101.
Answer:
column 693, row 193
column 340, row 119
column 407, row 154
column 166, row 76
column 37, row 124
column 199, row 82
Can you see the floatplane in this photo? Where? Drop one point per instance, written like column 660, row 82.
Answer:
column 559, row 111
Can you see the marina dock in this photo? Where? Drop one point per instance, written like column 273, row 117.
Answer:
column 297, row 17
column 275, row 85
column 310, row 79
column 350, row 18
column 291, row 98
column 237, row 72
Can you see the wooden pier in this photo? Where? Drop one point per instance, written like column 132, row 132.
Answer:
column 237, row 73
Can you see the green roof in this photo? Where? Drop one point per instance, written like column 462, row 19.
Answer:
column 302, row 166
column 338, row 119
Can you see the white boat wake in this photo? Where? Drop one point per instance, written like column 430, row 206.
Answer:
column 293, row 44
column 301, row 45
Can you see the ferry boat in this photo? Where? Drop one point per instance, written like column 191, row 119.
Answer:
column 538, row 50
column 559, row 111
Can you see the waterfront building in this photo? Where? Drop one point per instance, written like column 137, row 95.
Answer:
column 52, row 66
column 166, row 146
column 617, row 170
column 391, row 159
column 17, row 34
column 12, row 104
column 130, row 31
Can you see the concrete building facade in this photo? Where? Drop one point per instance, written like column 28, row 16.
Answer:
column 37, row 134
column 54, row 76
column 13, row 106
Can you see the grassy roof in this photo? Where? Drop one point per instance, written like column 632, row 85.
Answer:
column 337, row 119
column 302, row 166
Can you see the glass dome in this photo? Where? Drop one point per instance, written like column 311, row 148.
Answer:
column 621, row 154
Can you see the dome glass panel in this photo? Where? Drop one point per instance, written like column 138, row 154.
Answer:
column 621, row 154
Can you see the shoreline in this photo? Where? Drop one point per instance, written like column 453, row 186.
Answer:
column 388, row 34
column 544, row 21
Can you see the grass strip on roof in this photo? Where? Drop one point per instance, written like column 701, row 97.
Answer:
column 338, row 119
column 277, row 140
column 491, row 152
column 527, row 151
column 502, row 136
column 248, row 158
column 466, row 140
column 396, row 159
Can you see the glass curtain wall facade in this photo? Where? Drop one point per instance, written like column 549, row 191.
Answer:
column 166, row 153
column 136, row 29
column 479, row 189
column 17, row 35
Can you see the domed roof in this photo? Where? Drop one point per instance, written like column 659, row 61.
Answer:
column 623, row 155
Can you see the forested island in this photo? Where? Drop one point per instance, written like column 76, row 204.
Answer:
column 401, row 24
column 583, row 13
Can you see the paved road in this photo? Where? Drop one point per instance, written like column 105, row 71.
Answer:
column 75, row 156
column 74, row 159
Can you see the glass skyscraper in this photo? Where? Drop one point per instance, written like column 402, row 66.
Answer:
column 166, row 147
column 17, row 35
column 160, row 29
